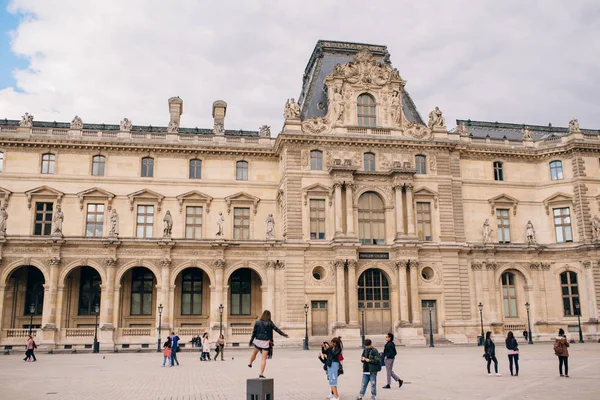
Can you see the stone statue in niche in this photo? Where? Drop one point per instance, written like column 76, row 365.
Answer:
column 77, row 123
column 596, row 228
column 126, row 125
column 574, row 126
column 292, row 110
column 57, row 222
column 114, row 223
column 436, row 120
column 336, row 105
column 487, row 231
column 168, row 224
column 270, row 223
column 396, row 108
column 220, row 222
column 3, row 218
column 530, row 233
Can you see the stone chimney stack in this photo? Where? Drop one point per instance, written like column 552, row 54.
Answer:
column 218, row 112
column 175, row 110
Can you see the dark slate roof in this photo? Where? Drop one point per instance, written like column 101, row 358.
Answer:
column 325, row 56
column 501, row 130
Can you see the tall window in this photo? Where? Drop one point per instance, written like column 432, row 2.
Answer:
column 570, row 293
column 316, row 160
column 195, row 169
column 1, row 161
column 48, row 161
column 193, row 222
column 369, row 161
column 241, row 170
column 373, row 290
column 142, row 282
column 509, row 295
column 89, row 291
column 191, row 292
column 95, row 220
column 317, row 219
column 98, row 163
column 147, row 167
column 424, row 221
column 366, row 111
column 503, row 222
column 145, row 221
column 556, row 171
column 241, row 291
column 34, row 293
column 43, row 219
column 562, row 225
column 371, row 219
column 421, row 164
column 241, row 223
column 498, row 172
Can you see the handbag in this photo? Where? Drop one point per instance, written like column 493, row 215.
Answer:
column 341, row 369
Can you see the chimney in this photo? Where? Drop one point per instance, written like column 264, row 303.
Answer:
column 175, row 110
column 218, row 112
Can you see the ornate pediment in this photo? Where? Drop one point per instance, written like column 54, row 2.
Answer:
column 43, row 191
column 423, row 192
column 317, row 190
column 503, row 200
column 145, row 195
column 557, row 199
column 366, row 72
column 194, row 196
column 242, row 198
column 95, row 193
column 4, row 196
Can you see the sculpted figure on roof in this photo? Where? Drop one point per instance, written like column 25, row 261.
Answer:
column 26, row 121
column 126, row 125
column 173, row 127
column 527, row 135
column 264, row 131
column 574, row 126
column 292, row 109
column 336, row 105
column 77, row 123
column 366, row 70
column 436, row 119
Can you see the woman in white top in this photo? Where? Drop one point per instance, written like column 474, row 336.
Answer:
column 205, row 347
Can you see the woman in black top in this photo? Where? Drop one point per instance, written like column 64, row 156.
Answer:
column 262, row 335
column 490, row 353
column 389, row 355
column 513, row 352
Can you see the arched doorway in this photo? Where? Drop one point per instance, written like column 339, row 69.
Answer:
column 374, row 300
column 23, row 299
column 244, row 297
column 137, row 304
column 192, row 302
column 81, row 295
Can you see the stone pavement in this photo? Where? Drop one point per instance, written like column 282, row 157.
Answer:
column 440, row 373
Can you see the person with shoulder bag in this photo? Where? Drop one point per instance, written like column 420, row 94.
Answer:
column 332, row 357
column 371, row 366
column 489, row 349
column 561, row 350
column 513, row 353
column 389, row 356
column 262, row 336
column 167, row 352
column 174, row 349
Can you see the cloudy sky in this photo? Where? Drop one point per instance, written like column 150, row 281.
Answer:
column 534, row 62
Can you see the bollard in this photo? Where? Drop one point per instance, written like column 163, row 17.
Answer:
column 260, row 389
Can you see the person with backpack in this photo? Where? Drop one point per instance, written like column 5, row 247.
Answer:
column 174, row 349
column 262, row 335
column 30, row 352
column 389, row 355
column 513, row 352
column 371, row 366
column 489, row 354
column 167, row 352
column 561, row 345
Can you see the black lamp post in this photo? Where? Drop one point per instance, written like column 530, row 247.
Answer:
column 160, row 310
column 31, row 311
column 481, row 319
column 306, row 324
column 220, row 320
column 96, row 348
column 528, row 324
column 579, row 322
column 430, row 307
column 363, row 328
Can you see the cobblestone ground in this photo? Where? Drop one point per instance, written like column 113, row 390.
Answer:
column 439, row 373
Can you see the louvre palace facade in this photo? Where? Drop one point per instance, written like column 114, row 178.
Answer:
column 360, row 212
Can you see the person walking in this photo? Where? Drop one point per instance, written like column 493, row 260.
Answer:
column 174, row 349
column 561, row 350
column 262, row 334
column 220, row 345
column 205, row 347
column 389, row 355
column 489, row 349
column 371, row 361
column 30, row 349
column 322, row 357
column 333, row 357
column 167, row 352
column 513, row 352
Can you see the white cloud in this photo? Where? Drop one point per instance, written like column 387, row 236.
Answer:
column 509, row 61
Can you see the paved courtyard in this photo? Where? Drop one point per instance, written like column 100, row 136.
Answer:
column 439, row 373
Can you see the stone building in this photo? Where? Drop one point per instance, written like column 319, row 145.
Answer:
column 359, row 209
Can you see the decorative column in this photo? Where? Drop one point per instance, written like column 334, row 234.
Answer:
column 163, row 295
column 270, row 299
column 2, row 293
column 403, row 289
column 340, row 292
column 414, row 292
column 338, row 207
column 352, row 293
column 50, row 295
column 410, row 214
column 349, row 210
column 592, row 310
column 107, row 297
column 399, row 211
column 218, row 266
column 117, row 305
column 493, row 291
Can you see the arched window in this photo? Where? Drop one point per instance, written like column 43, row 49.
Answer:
column 421, row 164
column 316, row 160
column 48, row 160
column 509, row 295
column 241, row 291
column 570, row 293
column 1, row 161
column 366, row 111
column 98, row 163
column 369, row 161
column 142, row 282
column 191, row 292
column 241, row 170
column 498, row 172
column 89, row 291
column 147, row 167
column 371, row 219
column 556, row 171
column 373, row 290
column 195, row 169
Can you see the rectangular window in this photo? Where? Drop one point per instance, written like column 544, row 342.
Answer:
column 317, row 219
column 424, row 221
column 498, row 173
column 195, row 169
column 89, row 291
column 145, row 221
column 562, row 225
column 191, row 292
column 142, row 283
column 503, row 226
column 43, row 219
column 241, row 223
column 98, row 163
column 95, row 220
column 241, row 292
column 556, row 172
column 147, row 167
column 193, row 222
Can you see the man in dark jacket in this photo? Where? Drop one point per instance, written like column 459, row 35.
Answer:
column 389, row 355
column 371, row 366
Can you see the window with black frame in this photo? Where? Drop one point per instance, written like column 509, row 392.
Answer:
column 241, row 292
column 89, row 290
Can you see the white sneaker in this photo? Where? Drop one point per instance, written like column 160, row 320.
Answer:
column 330, row 396
column 497, row 374
column 489, row 374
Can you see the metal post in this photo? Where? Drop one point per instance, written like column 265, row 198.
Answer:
column 306, row 327
column 577, row 307
column 160, row 309
column 220, row 320
column 530, row 341
column 96, row 348
column 481, row 319
column 430, row 306
column 363, row 328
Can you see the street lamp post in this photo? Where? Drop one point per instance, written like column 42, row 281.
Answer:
column 96, row 344
column 363, row 328
column 528, row 323
column 577, row 307
column 220, row 320
column 160, row 310
column 306, row 327
column 430, row 307
column 31, row 311
column 481, row 319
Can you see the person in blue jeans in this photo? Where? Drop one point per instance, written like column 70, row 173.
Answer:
column 174, row 348
column 371, row 366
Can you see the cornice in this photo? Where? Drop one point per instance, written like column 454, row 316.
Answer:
column 490, row 151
